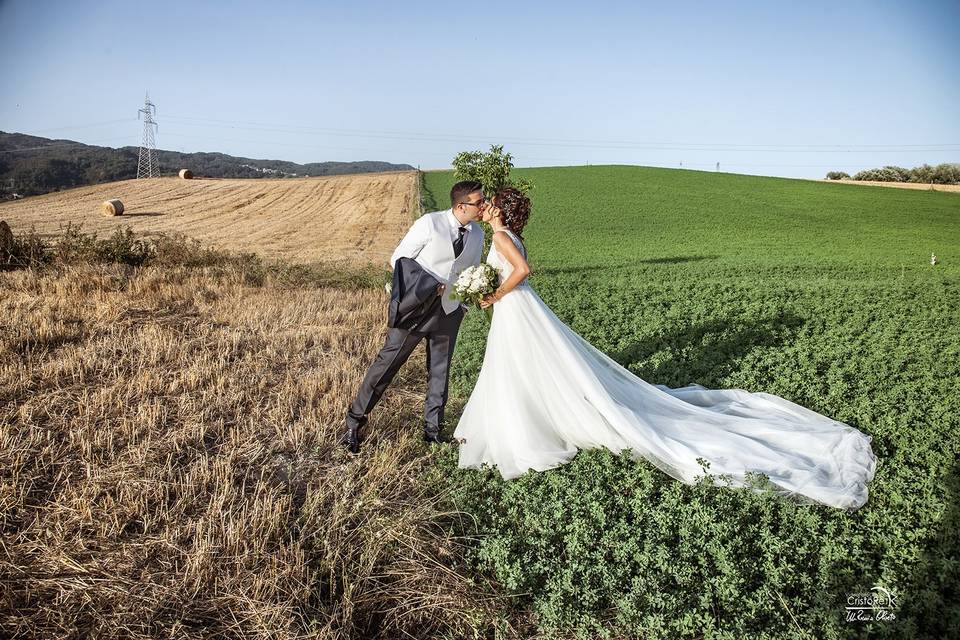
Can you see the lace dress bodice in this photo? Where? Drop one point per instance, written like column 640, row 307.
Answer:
column 503, row 265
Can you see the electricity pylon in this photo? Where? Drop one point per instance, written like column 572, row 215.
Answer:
column 146, row 166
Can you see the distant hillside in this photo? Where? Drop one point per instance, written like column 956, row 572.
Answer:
column 30, row 165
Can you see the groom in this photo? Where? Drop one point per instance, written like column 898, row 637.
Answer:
column 443, row 244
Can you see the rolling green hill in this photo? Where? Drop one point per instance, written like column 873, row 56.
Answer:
column 820, row 293
column 627, row 216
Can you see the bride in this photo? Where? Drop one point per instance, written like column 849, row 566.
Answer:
column 544, row 392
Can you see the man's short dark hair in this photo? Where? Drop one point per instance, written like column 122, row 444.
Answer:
column 462, row 189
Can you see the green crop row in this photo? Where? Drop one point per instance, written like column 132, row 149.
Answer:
column 820, row 293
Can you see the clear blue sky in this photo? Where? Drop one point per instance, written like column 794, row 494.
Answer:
column 772, row 88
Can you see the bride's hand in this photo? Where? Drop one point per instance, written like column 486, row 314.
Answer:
column 488, row 300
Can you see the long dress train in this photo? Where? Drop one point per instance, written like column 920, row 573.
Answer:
column 544, row 392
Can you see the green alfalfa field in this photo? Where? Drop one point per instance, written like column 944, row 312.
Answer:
column 821, row 293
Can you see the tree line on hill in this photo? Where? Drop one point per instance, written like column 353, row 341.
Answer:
column 31, row 165
column 947, row 173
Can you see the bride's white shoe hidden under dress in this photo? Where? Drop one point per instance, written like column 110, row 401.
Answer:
column 544, row 392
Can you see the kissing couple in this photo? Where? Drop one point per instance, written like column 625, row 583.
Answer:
column 544, row 392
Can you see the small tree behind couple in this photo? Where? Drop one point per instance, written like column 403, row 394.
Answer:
column 544, row 392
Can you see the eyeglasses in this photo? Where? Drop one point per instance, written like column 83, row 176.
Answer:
column 478, row 202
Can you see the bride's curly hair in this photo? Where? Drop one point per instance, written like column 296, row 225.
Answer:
column 514, row 207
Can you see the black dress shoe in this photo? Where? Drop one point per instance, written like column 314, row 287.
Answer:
column 351, row 439
column 434, row 438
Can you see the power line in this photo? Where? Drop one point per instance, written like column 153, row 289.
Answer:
column 77, row 126
column 556, row 143
column 458, row 137
column 443, row 155
column 559, row 142
column 301, row 145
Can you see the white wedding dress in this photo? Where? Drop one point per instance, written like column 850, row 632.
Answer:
column 544, row 392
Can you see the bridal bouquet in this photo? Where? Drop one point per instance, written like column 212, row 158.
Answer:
column 475, row 283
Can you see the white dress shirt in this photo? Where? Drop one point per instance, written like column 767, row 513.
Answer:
column 430, row 242
column 455, row 228
column 419, row 234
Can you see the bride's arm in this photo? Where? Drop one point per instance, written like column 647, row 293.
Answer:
column 521, row 269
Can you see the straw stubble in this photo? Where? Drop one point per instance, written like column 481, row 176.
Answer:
column 170, row 467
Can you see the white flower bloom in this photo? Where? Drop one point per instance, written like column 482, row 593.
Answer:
column 474, row 283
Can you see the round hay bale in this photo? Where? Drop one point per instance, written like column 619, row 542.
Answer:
column 112, row 208
column 186, row 174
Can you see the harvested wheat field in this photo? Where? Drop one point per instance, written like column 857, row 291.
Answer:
column 949, row 188
column 357, row 218
column 169, row 465
column 170, row 415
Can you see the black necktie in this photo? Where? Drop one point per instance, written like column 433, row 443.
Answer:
column 458, row 243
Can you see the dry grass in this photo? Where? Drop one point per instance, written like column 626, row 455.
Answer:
column 169, row 467
column 353, row 217
column 169, row 463
column 949, row 188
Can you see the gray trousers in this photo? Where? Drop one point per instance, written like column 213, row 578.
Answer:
column 398, row 346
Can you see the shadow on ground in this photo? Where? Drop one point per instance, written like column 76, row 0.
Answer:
column 590, row 268
column 704, row 353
